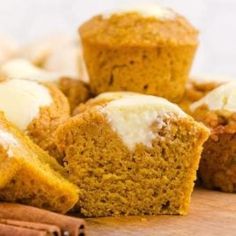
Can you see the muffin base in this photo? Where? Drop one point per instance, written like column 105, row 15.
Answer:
column 139, row 69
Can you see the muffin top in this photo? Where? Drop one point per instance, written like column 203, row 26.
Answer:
column 132, row 115
column 221, row 98
column 145, row 27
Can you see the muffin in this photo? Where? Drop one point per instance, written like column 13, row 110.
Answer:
column 130, row 156
column 76, row 91
column 148, row 51
column 217, row 110
column 36, row 109
column 29, row 175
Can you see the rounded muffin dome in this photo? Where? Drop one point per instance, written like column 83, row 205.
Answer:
column 139, row 27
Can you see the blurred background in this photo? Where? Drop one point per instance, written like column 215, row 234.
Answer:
column 29, row 20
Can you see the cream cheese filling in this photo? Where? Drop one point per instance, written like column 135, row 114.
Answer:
column 23, row 69
column 21, row 100
column 221, row 98
column 132, row 117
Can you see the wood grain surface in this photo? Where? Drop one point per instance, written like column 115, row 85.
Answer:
column 211, row 213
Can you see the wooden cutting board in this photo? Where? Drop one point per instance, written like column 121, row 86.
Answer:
column 211, row 213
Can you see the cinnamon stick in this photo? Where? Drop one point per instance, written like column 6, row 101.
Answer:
column 10, row 230
column 49, row 229
column 70, row 226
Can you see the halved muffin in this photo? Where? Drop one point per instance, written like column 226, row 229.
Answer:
column 36, row 109
column 29, row 175
column 217, row 110
column 76, row 91
column 130, row 155
column 148, row 50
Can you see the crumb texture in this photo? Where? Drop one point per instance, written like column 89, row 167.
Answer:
column 218, row 165
column 42, row 129
column 76, row 91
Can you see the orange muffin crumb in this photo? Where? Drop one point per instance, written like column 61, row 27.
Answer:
column 217, row 111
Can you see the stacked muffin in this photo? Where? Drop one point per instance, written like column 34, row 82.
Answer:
column 127, row 151
column 148, row 51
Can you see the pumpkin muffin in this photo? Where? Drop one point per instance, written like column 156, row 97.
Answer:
column 130, row 156
column 148, row 51
column 36, row 109
column 29, row 175
column 217, row 110
column 76, row 91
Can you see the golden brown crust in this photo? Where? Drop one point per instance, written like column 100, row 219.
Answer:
column 42, row 129
column 90, row 104
column 100, row 100
column 76, row 91
column 132, row 29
